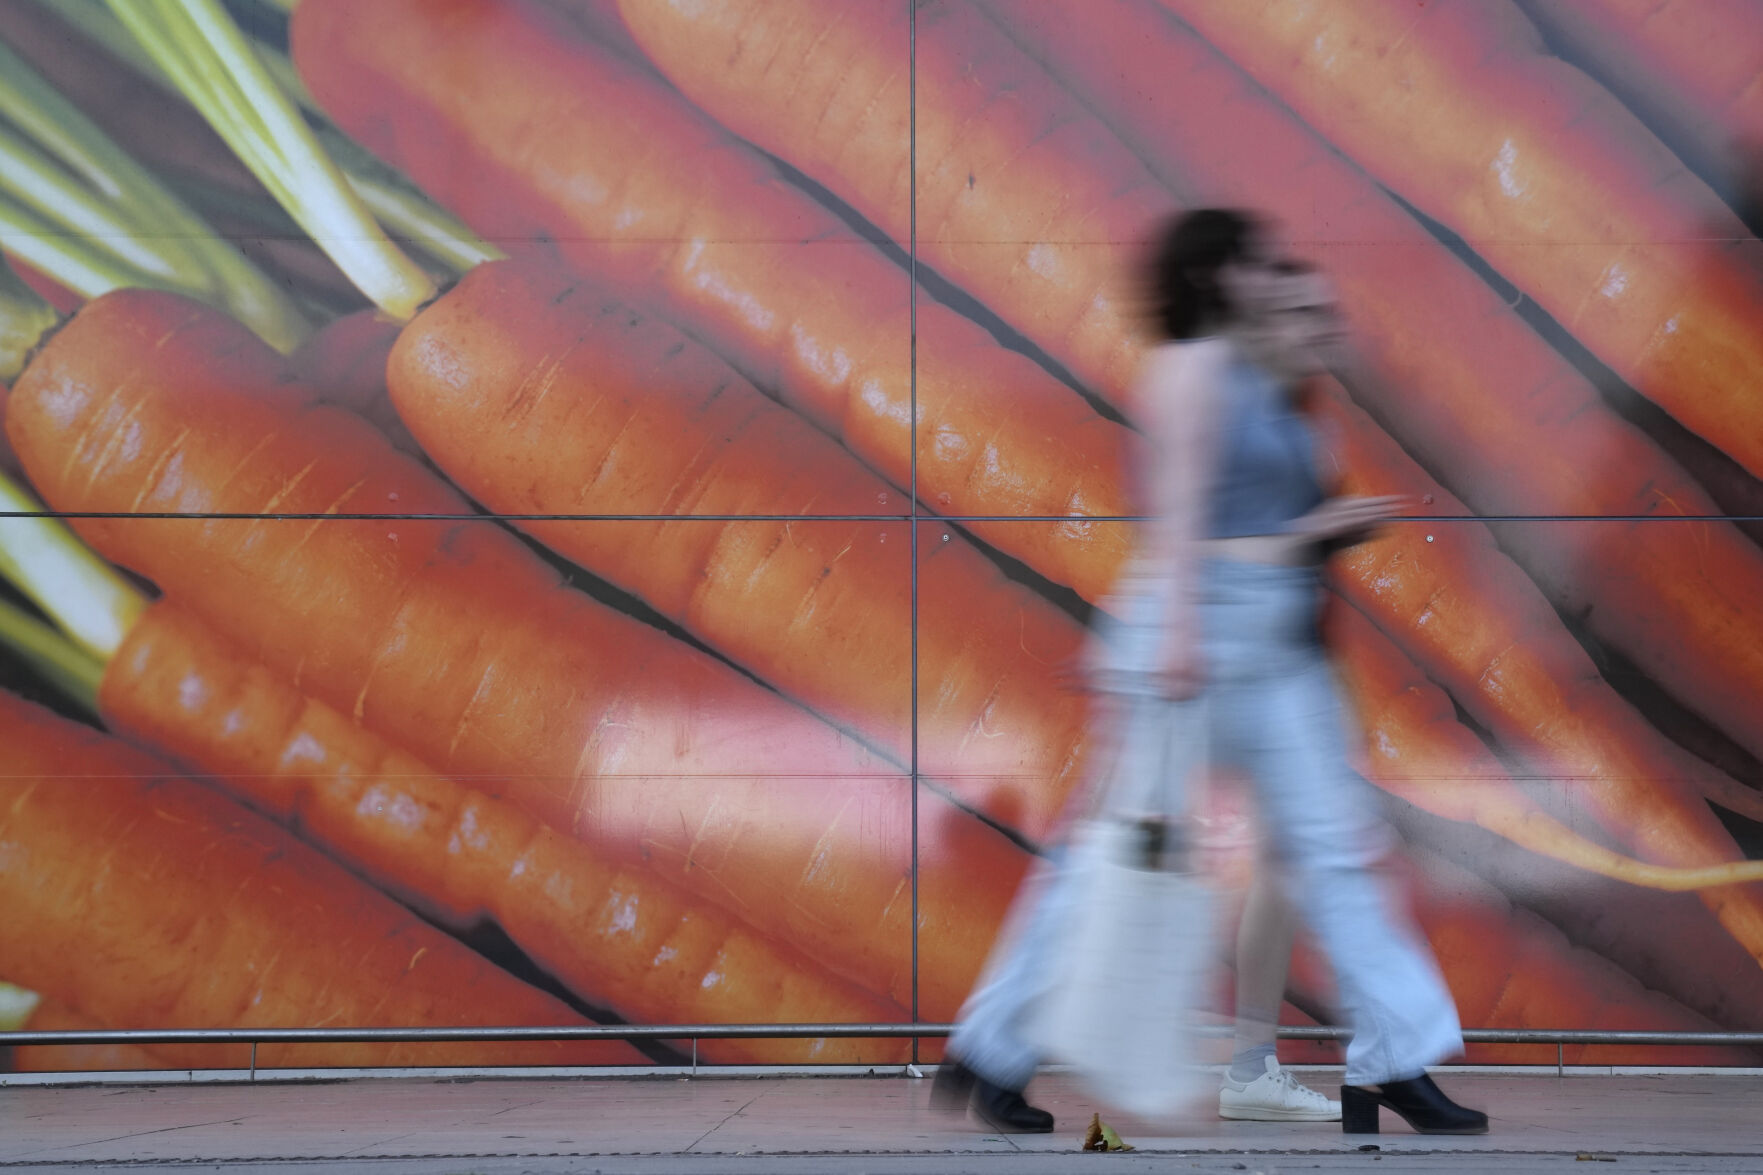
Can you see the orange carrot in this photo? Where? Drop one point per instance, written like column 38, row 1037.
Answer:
column 618, row 938
column 1472, row 392
column 449, row 637
column 344, row 363
column 600, row 20
column 8, row 460
column 1419, row 751
column 1456, row 604
column 1508, row 968
column 497, row 109
column 541, row 395
column 139, row 898
column 1693, row 71
column 1670, row 942
column 962, row 66
column 1048, row 256
column 954, row 90
column 745, row 841
column 1458, row 108
column 53, row 1016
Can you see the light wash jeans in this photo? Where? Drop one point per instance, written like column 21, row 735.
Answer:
column 1272, row 709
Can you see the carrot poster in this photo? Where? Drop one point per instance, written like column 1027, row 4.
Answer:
column 553, row 512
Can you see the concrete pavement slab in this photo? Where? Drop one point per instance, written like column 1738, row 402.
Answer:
column 1665, row 1123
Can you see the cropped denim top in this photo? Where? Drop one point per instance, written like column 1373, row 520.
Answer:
column 1266, row 472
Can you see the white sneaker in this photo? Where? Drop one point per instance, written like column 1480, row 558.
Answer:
column 1275, row 1096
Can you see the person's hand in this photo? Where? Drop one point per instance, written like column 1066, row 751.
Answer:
column 1349, row 519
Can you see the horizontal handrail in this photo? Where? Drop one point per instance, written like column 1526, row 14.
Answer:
column 84, row 1036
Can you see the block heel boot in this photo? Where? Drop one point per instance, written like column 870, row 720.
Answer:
column 952, row 1088
column 1421, row 1104
column 957, row 1088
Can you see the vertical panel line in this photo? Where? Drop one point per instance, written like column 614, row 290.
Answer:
column 912, row 440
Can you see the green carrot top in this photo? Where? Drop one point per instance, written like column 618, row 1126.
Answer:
column 77, row 207
column 221, row 72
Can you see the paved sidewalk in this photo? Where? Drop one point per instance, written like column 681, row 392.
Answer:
column 834, row 1124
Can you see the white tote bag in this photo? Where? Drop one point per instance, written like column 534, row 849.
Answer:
column 1128, row 973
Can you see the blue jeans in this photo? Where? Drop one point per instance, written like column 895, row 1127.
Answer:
column 1272, row 708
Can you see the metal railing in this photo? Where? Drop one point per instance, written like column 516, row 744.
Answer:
column 665, row 1032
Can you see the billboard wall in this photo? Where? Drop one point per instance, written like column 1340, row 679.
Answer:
column 667, row 623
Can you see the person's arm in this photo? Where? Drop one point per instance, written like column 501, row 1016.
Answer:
column 1341, row 521
column 1181, row 395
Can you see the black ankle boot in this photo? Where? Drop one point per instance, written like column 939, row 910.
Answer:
column 1422, row 1105
column 1006, row 1111
column 952, row 1088
column 956, row 1088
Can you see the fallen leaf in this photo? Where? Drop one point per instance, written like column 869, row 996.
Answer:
column 1101, row 1137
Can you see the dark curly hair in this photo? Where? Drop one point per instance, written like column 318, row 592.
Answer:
column 1182, row 276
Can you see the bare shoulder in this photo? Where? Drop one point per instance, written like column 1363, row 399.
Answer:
column 1182, row 377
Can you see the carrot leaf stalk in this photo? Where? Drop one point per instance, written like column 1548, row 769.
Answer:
column 413, row 219
column 69, row 668
column 24, row 318
column 71, row 208
column 93, row 604
column 78, row 205
column 16, row 1006
column 1551, row 838
column 408, row 216
column 215, row 66
column 78, row 263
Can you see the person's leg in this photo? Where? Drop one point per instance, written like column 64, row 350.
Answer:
column 1255, row 1087
column 1265, row 932
column 1325, row 823
column 990, row 1060
column 991, row 1039
column 1277, row 712
column 990, row 1035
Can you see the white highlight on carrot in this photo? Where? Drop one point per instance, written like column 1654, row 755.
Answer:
column 192, row 691
column 303, row 749
column 710, row 280
column 1506, row 167
column 625, row 917
column 405, row 812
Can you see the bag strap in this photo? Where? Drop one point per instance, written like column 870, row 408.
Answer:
column 1157, row 754
column 1167, row 837
column 1187, row 755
